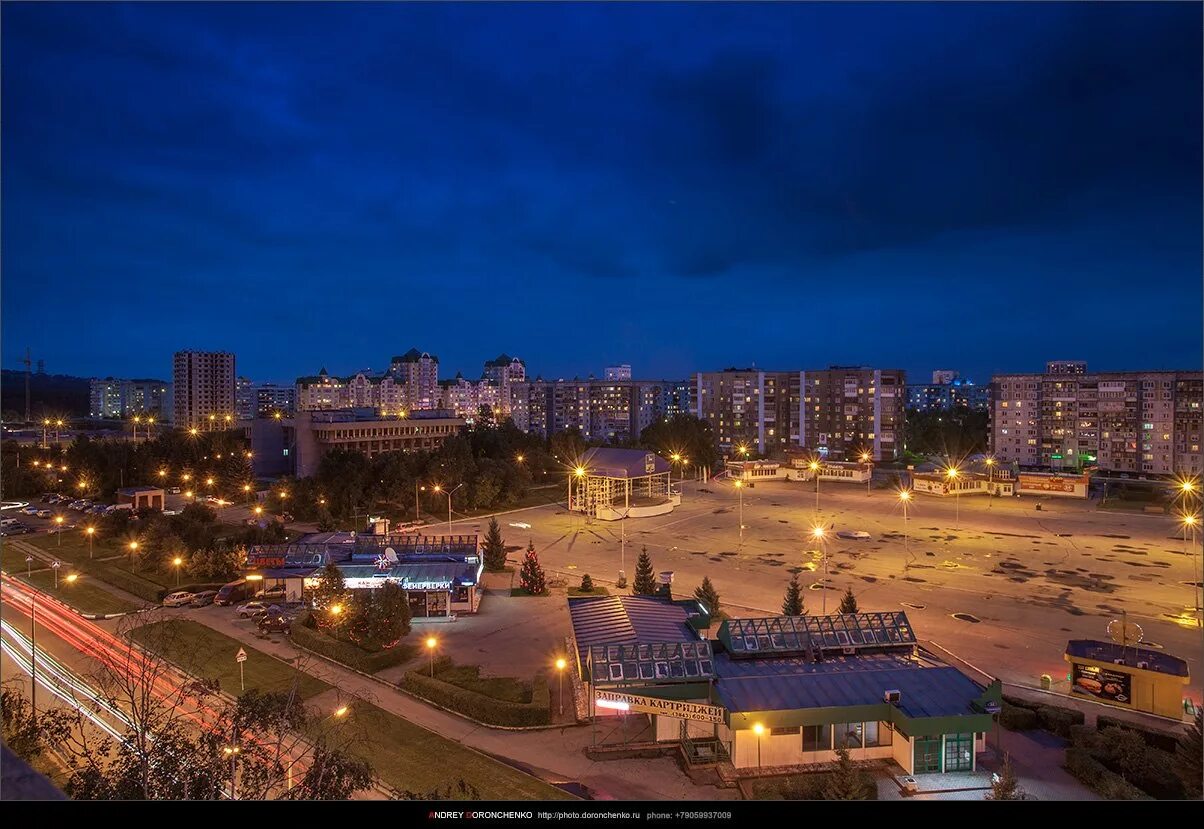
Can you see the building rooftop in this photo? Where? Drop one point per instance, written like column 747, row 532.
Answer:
column 927, row 687
column 139, row 490
column 1162, row 663
column 609, row 620
column 622, row 463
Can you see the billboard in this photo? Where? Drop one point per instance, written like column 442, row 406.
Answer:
column 1103, row 684
column 654, row 705
column 1075, row 485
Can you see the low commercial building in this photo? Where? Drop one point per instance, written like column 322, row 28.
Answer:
column 781, row 692
column 1062, row 486
column 141, row 496
column 1128, row 676
column 966, row 483
column 613, row 484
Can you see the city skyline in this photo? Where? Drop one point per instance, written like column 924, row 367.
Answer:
column 775, row 161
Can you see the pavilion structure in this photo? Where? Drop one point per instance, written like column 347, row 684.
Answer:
column 613, row 484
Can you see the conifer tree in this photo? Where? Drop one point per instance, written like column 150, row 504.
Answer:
column 792, row 604
column 848, row 602
column 531, row 576
column 1005, row 786
column 587, row 584
column 494, row 548
column 645, row 582
column 707, row 594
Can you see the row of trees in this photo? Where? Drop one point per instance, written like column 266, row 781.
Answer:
column 373, row 619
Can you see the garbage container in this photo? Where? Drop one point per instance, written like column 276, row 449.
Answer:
column 1046, row 682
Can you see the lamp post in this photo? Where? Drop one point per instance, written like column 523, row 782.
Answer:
column 90, row 531
column 814, row 466
column 758, row 729
column 951, row 473
column 990, row 462
column 740, row 490
column 1190, row 522
column 177, row 561
column 133, row 552
column 56, row 566
column 560, row 664
column 905, row 499
column 439, row 488
column 431, row 644
column 58, row 520
column 865, row 459
column 416, row 513
column 817, row 533
column 674, row 458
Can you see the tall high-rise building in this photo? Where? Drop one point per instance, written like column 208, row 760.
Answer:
column 203, row 388
column 326, row 392
column 115, row 398
column 254, row 400
column 619, row 372
column 502, row 371
column 418, row 372
column 948, row 392
column 1126, row 421
column 847, row 410
column 746, row 408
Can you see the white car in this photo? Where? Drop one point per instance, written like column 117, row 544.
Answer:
column 856, row 535
column 250, row 609
column 522, row 525
column 178, row 599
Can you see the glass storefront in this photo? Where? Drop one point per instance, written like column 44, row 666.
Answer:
column 959, row 752
column 927, row 756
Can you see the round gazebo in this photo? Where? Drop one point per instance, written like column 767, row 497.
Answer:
column 613, row 484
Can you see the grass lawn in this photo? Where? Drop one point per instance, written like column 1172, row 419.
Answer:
column 205, row 652
column 597, row 591
column 74, row 546
column 522, row 591
column 82, row 595
column 498, row 687
column 408, row 757
column 13, row 560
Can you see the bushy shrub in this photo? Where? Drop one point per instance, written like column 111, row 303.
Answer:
column 304, row 635
column 1095, row 776
column 480, row 707
column 1015, row 718
column 810, row 786
column 1058, row 720
column 1164, row 740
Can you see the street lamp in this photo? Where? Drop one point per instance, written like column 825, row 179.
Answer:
column 758, row 729
column 740, row 489
column 341, row 712
column 675, row 458
column 814, row 467
column 817, row 534
column 905, row 500
column 431, row 643
column 865, row 459
column 518, row 458
column 1190, row 522
column 56, row 567
column 439, row 488
column 416, row 512
column 579, row 472
column 71, row 577
column 58, row 520
column 177, row 561
column 560, row 664
column 133, row 552
column 952, row 474
column 91, row 531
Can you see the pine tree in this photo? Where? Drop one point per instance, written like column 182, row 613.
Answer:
column 846, row 781
column 645, row 582
column 331, row 587
column 494, row 548
column 587, row 584
column 792, row 604
column 1187, row 755
column 531, row 576
column 848, row 602
column 1005, row 786
column 706, row 594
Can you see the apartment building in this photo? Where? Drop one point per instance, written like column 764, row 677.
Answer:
column 531, row 405
column 746, row 407
column 949, row 392
column 418, row 373
column 325, row 392
column 1069, row 418
column 113, row 398
column 501, row 372
column 847, row 410
column 203, row 389
column 619, row 372
column 254, row 400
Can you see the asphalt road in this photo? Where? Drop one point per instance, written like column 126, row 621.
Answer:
column 1032, row 579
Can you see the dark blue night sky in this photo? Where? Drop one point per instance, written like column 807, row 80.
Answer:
column 680, row 187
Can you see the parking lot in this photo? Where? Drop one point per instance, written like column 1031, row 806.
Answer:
column 996, row 582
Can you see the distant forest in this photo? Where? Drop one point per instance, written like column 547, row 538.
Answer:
column 57, row 395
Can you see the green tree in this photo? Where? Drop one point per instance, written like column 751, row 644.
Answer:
column 494, row 548
column 532, row 576
column 645, row 582
column 792, row 604
column 848, row 602
column 28, row 735
column 707, row 594
column 1005, row 786
column 587, row 584
column 846, row 781
column 330, row 589
column 378, row 618
column 1188, row 757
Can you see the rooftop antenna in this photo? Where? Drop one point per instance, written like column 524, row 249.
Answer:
column 1123, row 632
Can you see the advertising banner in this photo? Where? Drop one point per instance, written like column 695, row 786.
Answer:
column 655, row 705
column 1103, row 684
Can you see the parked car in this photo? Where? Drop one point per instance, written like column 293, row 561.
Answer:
column 233, row 593
column 173, row 490
column 522, row 525
column 62, row 528
column 856, row 535
column 43, row 513
column 16, row 529
column 270, row 593
column 178, row 599
column 251, row 608
column 31, row 511
column 275, row 624
column 204, row 598
column 8, row 522
column 97, row 509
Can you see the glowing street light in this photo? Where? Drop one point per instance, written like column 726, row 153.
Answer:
column 740, row 489
column 952, row 473
column 58, row 520
column 431, row 644
column 560, row 665
column 519, row 458
column 867, row 458
column 819, row 535
column 905, row 500
column 177, row 561
column 1190, row 522
column 758, row 729
column 90, row 531
column 341, row 712
column 814, row 466
column 133, row 552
